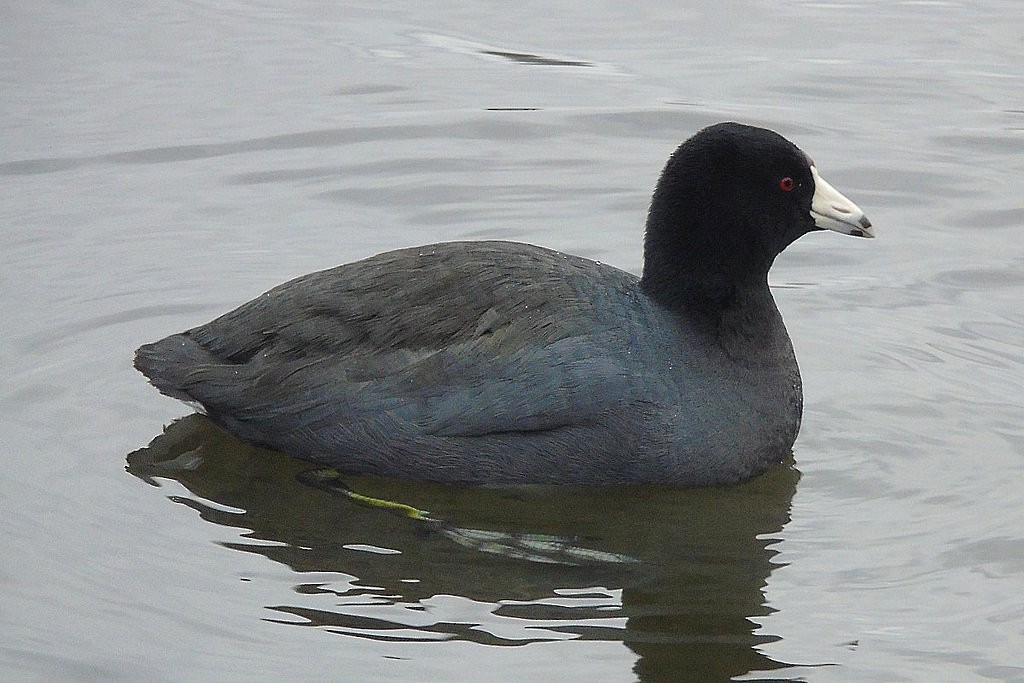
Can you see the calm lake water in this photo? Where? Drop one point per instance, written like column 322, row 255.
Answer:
column 161, row 163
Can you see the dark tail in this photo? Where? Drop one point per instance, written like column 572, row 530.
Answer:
column 172, row 364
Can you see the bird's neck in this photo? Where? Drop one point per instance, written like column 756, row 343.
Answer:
column 694, row 279
column 729, row 301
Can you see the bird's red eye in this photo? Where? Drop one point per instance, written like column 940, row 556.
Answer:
column 786, row 184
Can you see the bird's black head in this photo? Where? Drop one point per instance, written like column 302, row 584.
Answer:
column 729, row 200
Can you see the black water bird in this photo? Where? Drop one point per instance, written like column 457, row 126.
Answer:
column 506, row 363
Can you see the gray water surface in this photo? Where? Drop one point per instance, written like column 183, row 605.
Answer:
column 162, row 164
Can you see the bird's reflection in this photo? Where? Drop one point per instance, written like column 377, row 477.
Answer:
column 677, row 575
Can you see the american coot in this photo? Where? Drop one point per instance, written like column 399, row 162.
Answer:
column 497, row 362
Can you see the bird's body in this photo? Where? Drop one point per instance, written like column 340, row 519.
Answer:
column 498, row 362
